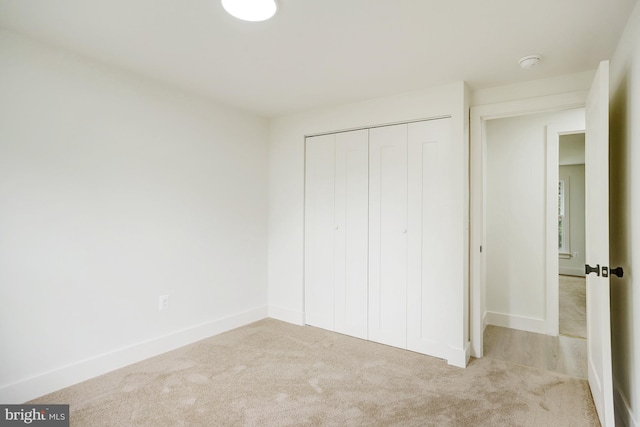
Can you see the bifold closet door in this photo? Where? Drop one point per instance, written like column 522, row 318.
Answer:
column 352, row 232
column 319, row 235
column 432, row 204
column 388, row 235
column 380, row 210
column 336, row 232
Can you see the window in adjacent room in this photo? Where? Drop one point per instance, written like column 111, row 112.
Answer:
column 563, row 218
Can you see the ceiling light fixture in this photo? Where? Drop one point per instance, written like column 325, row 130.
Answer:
column 251, row 10
column 530, row 61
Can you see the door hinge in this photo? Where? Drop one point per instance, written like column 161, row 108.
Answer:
column 588, row 269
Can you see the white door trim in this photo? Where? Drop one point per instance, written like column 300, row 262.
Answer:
column 479, row 115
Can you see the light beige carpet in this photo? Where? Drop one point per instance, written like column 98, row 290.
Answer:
column 275, row 374
column 573, row 306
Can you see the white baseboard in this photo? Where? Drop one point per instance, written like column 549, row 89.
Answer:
column 39, row 385
column 460, row 357
column 286, row 315
column 522, row 323
column 571, row 271
column 623, row 410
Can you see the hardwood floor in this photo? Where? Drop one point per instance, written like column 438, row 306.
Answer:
column 562, row 354
column 573, row 306
column 565, row 354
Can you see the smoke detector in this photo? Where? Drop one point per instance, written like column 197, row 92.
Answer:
column 530, row 61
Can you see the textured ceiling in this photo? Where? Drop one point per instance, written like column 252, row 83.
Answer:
column 317, row 53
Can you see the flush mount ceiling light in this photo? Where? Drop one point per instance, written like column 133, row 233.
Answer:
column 529, row 61
column 250, row 10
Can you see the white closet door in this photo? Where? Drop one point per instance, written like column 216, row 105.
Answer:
column 351, row 232
column 319, row 231
column 431, row 208
column 388, row 235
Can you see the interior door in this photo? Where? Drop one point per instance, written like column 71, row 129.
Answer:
column 597, row 245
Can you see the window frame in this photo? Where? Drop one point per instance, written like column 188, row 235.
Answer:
column 564, row 226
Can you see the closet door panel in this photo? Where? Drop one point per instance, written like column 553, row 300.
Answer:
column 351, row 232
column 319, row 231
column 430, row 222
column 388, row 235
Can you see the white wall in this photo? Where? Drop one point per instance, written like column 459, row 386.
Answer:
column 515, row 217
column 286, row 195
column 115, row 190
column 624, row 206
column 571, row 149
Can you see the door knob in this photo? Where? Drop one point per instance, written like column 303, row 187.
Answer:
column 616, row 271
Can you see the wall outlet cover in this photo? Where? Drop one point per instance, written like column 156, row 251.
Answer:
column 163, row 302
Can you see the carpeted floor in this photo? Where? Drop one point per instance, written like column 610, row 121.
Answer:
column 272, row 373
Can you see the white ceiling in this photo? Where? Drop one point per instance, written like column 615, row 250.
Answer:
column 317, row 53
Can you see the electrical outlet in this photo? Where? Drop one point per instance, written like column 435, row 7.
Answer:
column 163, row 302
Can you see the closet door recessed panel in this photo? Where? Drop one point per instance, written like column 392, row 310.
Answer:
column 388, row 235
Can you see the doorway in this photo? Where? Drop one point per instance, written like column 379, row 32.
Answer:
column 480, row 115
column 522, row 241
column 571, row 236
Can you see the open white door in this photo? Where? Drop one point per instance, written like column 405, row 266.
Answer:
column 597, row 245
